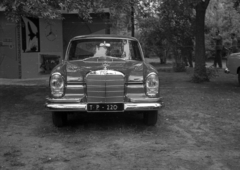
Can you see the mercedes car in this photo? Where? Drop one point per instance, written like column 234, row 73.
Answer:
column 104, row 73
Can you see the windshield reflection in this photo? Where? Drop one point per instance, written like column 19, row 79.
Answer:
column 119, row 48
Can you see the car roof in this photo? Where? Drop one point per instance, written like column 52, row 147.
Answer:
column 104, row 36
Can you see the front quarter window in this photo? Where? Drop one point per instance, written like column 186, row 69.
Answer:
column 135, row 50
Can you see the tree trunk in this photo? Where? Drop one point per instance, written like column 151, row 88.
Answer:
column 132, row 21
column 200, row 73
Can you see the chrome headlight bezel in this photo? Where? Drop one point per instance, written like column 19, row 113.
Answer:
column 57, row 85
column 152, row 85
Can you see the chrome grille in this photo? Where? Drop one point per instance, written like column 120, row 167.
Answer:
column 105, row 88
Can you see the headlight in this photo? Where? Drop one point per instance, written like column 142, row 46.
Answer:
column 57, row 85
column 152, row 85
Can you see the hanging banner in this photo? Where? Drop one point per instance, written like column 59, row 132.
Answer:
column 30, row 35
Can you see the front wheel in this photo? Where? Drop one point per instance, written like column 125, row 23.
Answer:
column 150, row 117
column 59, row 119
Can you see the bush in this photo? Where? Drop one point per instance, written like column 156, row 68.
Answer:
column 179, row 67
column 212, row 72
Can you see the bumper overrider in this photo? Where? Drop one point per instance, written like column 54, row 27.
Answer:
column 76, row 105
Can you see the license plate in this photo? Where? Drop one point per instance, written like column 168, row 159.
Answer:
column 116, row 107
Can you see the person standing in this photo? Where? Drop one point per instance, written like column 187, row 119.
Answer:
column 234, row 47
column 218, row 50
column 187, row 51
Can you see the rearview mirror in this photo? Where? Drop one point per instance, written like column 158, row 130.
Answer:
column 105, row 44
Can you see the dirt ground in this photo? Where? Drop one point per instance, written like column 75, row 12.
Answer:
column 198, row 129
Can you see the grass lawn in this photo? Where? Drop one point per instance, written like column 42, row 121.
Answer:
column 198, row 129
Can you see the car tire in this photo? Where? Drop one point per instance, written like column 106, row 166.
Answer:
column 150, row 117
column 59, row 119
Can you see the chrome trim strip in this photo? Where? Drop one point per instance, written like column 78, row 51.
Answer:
column 102, row 37
column 64, row 100
column 135, row 86
column 134, row 82
column 105, row 80
column 152, row 73
column 72, row 79
column 66, row 107
column 74, row 86
column 118, row 62
column 142, row 99
column 56, row 73
column 74, row 95
column 103, row 97
column 142, row 106
column 108, row 91
column 104, row 86
column 83, row 106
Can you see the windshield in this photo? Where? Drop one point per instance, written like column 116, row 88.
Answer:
column 120, row 48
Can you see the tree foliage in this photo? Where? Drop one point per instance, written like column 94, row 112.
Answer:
column 167, row 28
column 182, row 18
column 223, row 15
column 14, row 9
column 179, row 19
column 162, row 23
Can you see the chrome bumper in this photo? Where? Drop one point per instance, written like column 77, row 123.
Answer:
column 83, row 106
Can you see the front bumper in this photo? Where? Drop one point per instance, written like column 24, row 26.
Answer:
column 75, row 105
column 83, row 106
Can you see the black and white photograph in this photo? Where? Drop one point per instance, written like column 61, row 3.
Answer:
column 120, row 85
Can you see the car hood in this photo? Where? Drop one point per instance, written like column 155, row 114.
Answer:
column 134, row 71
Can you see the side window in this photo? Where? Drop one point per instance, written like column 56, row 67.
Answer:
column 135, row 50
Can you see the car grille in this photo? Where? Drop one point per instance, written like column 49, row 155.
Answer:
column 105, row 88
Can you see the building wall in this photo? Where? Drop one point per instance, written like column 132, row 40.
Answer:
column 30, row 51
column 31, row 61
column 64, row 30
column 8, row 48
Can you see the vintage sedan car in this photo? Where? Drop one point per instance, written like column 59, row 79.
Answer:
column 233, row 65
column 104, row 73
